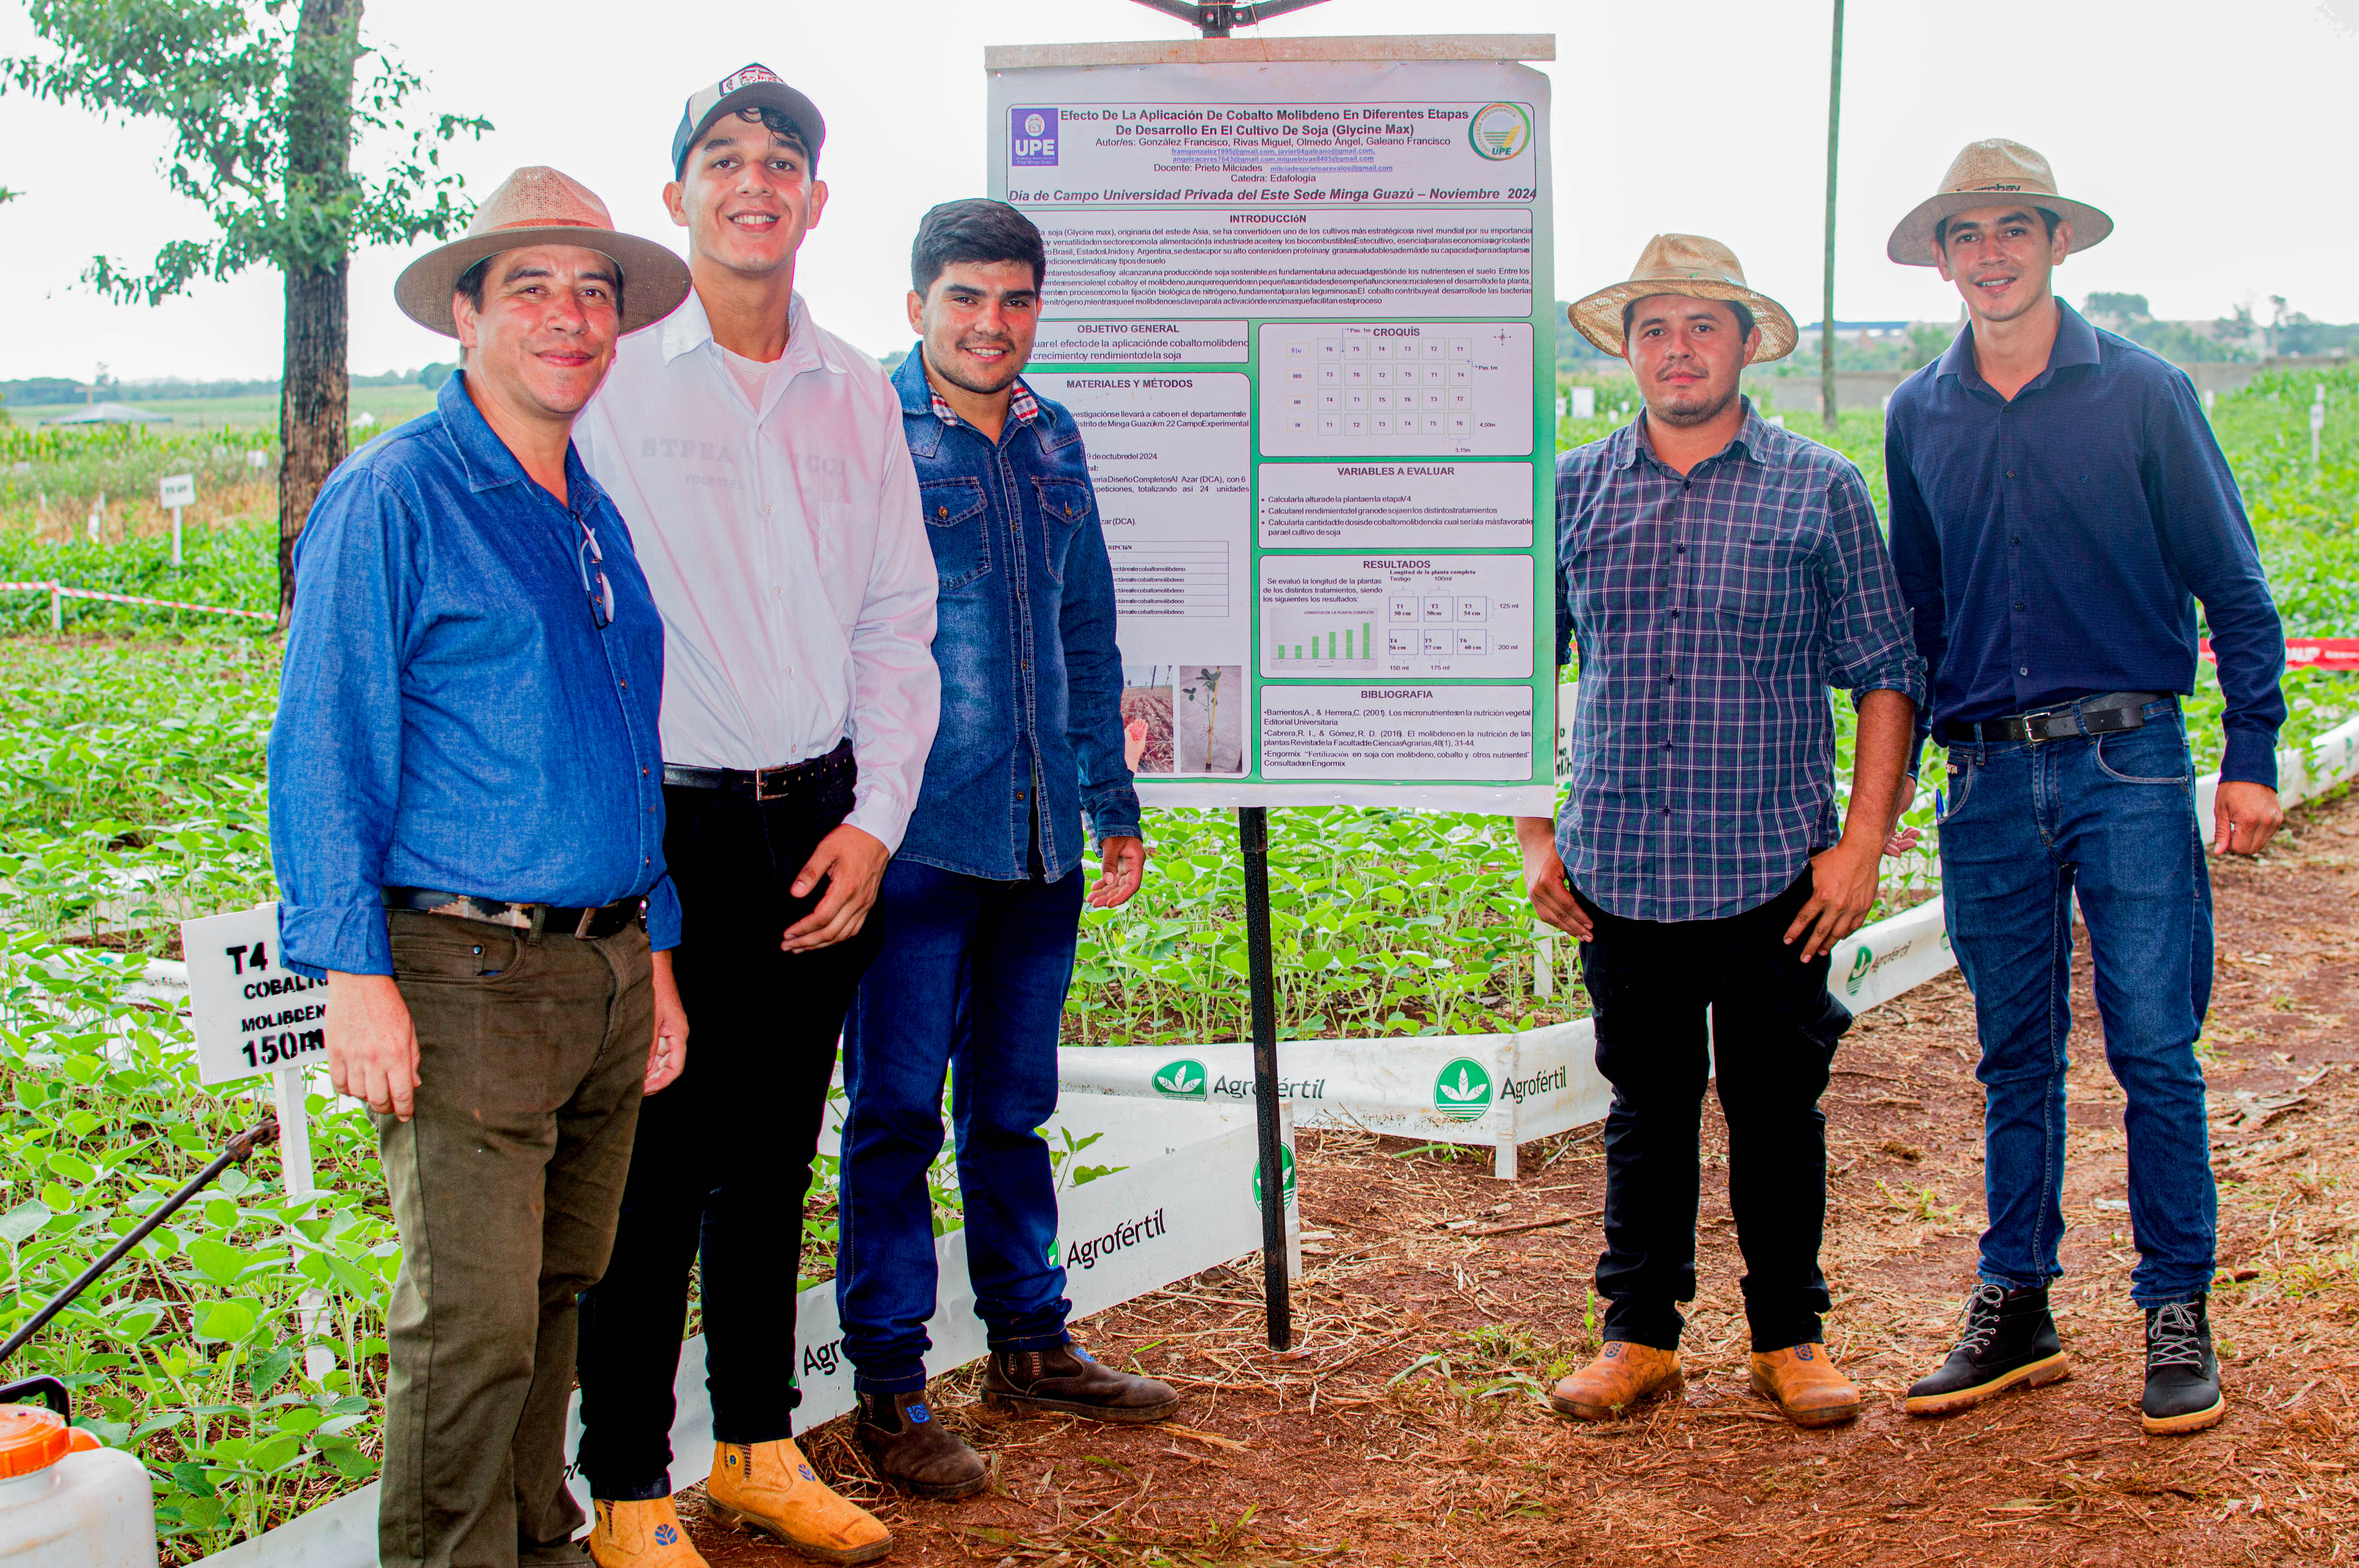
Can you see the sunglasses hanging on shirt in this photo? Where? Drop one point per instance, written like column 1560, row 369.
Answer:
column 601, row 593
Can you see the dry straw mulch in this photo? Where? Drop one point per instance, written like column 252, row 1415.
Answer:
column 1405, row 1426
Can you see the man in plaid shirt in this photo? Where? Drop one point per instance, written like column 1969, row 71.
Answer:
column 1718, row 576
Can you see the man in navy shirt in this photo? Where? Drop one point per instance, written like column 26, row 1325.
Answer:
column 466, row 816
column 2058, row 507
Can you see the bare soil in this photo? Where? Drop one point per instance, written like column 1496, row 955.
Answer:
column 1407, row 1427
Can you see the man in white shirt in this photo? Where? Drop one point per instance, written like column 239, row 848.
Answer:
column 761, row 464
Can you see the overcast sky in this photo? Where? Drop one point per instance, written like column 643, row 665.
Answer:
column 2220, row 138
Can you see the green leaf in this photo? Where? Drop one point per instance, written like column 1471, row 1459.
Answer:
column 71, row 1167
column 23, row 1220
column 220, row 1262
column 230, row 1320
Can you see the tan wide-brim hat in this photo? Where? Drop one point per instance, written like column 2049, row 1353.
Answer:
column 539, row 206
column 1992, row 173
column 1691, row 265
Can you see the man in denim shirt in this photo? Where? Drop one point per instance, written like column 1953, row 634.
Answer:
column 981, row 909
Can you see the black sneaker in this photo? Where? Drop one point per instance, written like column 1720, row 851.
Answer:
column 2009, row 1342
column 908, row 1449
column 2182, row 1375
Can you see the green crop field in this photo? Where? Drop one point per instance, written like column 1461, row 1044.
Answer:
column 388, row 405
column 132, row 796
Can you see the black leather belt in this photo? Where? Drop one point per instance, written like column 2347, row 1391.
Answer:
column 2108, row 713
column 536, row 918
column 769, row 784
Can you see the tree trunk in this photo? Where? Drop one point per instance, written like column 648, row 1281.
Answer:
column 313, row 407
column 314, row 379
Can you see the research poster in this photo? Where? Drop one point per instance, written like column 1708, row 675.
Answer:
column 1302, row 312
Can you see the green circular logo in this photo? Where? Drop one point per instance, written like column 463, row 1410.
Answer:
column 1285, row 1163
column 1183, row 1079
column 1461, row 1090
column 1499, row 131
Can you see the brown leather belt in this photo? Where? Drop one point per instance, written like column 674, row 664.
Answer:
column 537, row 918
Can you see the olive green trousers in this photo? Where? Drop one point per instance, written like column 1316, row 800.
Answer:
column 505, row 1184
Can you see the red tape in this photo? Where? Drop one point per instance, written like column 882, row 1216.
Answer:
column 65, row 592
column 2308, row 653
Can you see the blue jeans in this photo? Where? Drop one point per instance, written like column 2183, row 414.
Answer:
column 970, row 979
column 2114, row 817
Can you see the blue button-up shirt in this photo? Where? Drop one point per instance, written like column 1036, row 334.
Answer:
column 2053, row 546
column 449, row 715
column 1031, row 678
column 1713, row 612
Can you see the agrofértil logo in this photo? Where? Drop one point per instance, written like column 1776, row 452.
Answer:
column 1183, row 1079
column 1461, row 1090
column 1286, row 1165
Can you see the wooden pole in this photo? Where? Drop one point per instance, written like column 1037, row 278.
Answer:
column 1827, row 306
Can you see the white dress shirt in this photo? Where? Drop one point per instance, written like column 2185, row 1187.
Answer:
column 783, row 542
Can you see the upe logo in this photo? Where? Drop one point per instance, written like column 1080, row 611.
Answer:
column 1286, row 1165
column 1032, row 138
column 1461, row 1092
column 1183, row 1079
column 1500, row 131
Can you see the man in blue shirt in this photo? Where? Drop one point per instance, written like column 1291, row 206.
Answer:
column 1718, row 576
column 981, row 909
column 2058, row 507
column 466, row 816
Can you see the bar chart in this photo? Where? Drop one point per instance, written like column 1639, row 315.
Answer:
column 1352, row 616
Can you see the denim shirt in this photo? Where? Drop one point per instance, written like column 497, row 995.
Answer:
column 451, row 716
column 1031, row 679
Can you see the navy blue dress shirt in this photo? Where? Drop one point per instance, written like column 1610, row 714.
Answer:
column 2053, row 547
column 1712, row 612
column 451, row 716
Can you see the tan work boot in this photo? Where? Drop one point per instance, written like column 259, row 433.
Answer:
column 1623, row 1375
column 771, row 1487
column 640, row 1535
column 1801, row 1381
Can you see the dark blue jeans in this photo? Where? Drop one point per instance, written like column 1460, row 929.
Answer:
column 2114, row 817
column 970, row 979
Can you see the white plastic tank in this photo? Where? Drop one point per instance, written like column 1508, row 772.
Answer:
column 68, row 1502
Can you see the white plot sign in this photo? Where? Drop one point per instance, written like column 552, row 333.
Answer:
column 252, row 1013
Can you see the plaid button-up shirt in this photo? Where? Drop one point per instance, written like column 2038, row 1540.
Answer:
column 1711, row 613
column 1021, row 405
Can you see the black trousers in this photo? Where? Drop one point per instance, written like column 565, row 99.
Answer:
column 1771, row 1041
column 722, row 1159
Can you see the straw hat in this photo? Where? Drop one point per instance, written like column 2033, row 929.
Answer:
column 1688, row 265
column 539, row 206
column 1990, row 174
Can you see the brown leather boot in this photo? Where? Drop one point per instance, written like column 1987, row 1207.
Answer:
column 1623, row 1375
column 910, row 1449
column 1065, row 1378
column 771, row 1487
column 640, row 1535
column 1802, row 1382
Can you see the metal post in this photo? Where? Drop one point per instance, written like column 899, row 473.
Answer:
column 1827, row 308
column 1253, row 838
column 57, row 609
column 176, row 536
